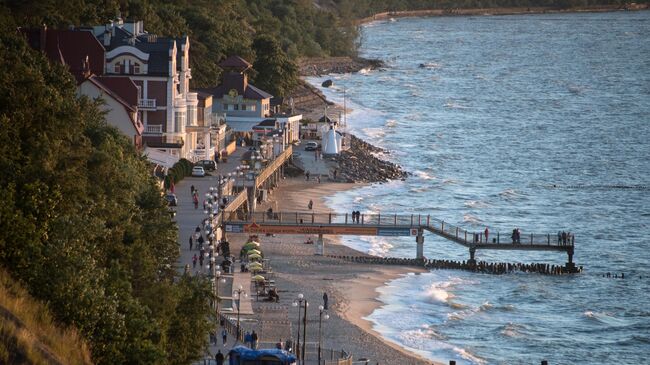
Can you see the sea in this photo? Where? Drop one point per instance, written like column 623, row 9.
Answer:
column 540, row 122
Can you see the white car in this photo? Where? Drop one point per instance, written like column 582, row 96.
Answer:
column 198, row 171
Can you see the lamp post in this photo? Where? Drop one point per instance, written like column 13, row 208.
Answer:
column 237, row 294
column 216, row 279
column 298, row 303
column 322, row 314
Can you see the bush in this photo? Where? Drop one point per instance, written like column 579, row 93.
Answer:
column 178, row 172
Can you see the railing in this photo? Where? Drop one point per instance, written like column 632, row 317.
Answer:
column 271, row 168
column 155, row 128
column 442, row 228
column 147, row 103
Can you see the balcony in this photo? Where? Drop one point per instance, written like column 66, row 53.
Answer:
column 153, row 129
column 147, row 104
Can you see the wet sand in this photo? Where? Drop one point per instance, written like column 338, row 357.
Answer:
column 351, row 287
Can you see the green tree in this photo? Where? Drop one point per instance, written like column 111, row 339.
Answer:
column 275, row 73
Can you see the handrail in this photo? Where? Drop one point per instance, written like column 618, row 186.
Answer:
column 437, row 226
column 277, row 162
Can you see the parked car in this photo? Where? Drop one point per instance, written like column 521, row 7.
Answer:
column 208, row 165
column 171, row 199
column 198, row 171
column 311, row 146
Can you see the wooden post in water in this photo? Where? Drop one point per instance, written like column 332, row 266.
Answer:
column 419, row 252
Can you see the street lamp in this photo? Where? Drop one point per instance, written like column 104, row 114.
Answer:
column 217, row 277
column 237, row 294
column 299, row 303
column 322, row 314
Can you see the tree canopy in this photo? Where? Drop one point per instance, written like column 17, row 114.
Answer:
column 83, row 225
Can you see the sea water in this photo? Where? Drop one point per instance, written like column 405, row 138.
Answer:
column 540, row 122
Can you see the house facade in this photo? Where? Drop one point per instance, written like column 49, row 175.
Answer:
column 159, row 66
column 83, row 55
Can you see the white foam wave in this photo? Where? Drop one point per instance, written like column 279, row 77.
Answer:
column 449, row 181
column 454, row 105
column 379, row 246
column 469, row 356
column 475, row 204
column 374, row 133
column 430, row 65
column 424, row 175
column 390, row 123
column 512, row 330
column 364, row 71
column 472, row 219
column 510, row 194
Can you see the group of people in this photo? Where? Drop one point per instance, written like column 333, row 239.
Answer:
column 516, row 235
column 564, row 238
column 251, row 338
column 356, row 216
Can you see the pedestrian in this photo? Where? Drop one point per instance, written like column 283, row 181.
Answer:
column 325, row 300
column 192, row 190
column 219, row 357
column 559, row 237
column 201, row 261
column 335, row 174
column 254, row 340
column 248, row 340
column 196, row 202
column 198, row 229
column 194, row 261
column 224, row 336
column 279, row 345
column 310, row 204
column 514, row 236
column 486, row 232
column 318, row 178
column 307, row 175
column 191, row 243
column 213, row 338
column 201, row 241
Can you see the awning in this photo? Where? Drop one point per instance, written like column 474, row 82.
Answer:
column 160, row 158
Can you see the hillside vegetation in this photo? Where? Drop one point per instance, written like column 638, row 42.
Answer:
column 29, row 335
column 83, row 225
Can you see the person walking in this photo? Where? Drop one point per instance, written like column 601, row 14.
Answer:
column 487, row 233
column 310, row 205
column 196, row 201
column 219, row 358
column 248, row 340
column 192, row 190
column 325, row 300
column 201, row 261
column 224, row 336
column 194, row 261
column 254, row 339
column 191, row 243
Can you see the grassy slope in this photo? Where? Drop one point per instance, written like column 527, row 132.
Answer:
column 28, row 334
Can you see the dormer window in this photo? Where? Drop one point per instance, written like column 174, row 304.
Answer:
column 118, row 68
column 136, row 68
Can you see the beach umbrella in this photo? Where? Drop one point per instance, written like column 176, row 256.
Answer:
column 250, row 245
column 255, row 243
column 255, row 265
column 254, row 256
column 258, row 278
column 254, row 251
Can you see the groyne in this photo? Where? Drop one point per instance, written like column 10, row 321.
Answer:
column 480, row 266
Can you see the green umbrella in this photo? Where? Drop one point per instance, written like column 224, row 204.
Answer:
column 258, row 278
column 254, row 256
column 255, row 265
column 254, row 251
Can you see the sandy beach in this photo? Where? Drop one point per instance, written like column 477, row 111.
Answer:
column 351, row 287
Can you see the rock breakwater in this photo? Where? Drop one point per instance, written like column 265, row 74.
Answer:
column 360, row 164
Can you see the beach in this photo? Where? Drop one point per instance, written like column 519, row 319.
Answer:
column 351, row 287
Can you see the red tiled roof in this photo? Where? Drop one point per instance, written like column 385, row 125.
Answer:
column 122, row 86
column 70, row 47
column 235, row 62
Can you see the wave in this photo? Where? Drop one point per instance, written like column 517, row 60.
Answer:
column 390, row 123
column 510, row 194
column 605, row 318
column 454, row 105
column 423, row 175
column 476, row 204
column 430, row 65
column 469, row 356
column 374, row 133
column 379, row 247
column 513, row 330
column 472, row 219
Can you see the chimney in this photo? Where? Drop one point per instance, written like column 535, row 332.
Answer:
column 43, row 37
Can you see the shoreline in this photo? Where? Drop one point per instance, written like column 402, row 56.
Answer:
column 497, row 11
column 352, row 287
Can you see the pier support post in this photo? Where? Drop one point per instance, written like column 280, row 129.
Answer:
column 419, row 253
column 472, row 260
column 570, row 265
column 251, row 190
column 320, row 245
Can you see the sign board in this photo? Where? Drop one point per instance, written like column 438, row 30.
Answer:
column 299, row 229
column 234, row 228
column 394, row 232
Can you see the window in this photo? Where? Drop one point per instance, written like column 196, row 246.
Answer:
column 251, row 107
column 136, row 68
column 118, row 68
column 243, row 107
column 191, row 115
column 225, row 107
column 236, row 106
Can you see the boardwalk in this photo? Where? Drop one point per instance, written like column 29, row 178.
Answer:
column 392, row 225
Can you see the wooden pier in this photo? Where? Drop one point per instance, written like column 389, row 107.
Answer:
column 236, row 221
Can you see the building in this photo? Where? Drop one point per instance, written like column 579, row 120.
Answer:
column 84, row 56
column 159, row 66
column 243, row 104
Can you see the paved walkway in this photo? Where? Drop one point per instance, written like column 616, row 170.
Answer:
column 306, row 160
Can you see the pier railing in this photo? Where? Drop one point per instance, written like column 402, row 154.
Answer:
column 414, row 221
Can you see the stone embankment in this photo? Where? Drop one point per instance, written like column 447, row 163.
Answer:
column 359, row 164
column 335, row 65
column 481, row 266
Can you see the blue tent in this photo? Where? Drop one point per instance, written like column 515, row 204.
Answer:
column 241, row 355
